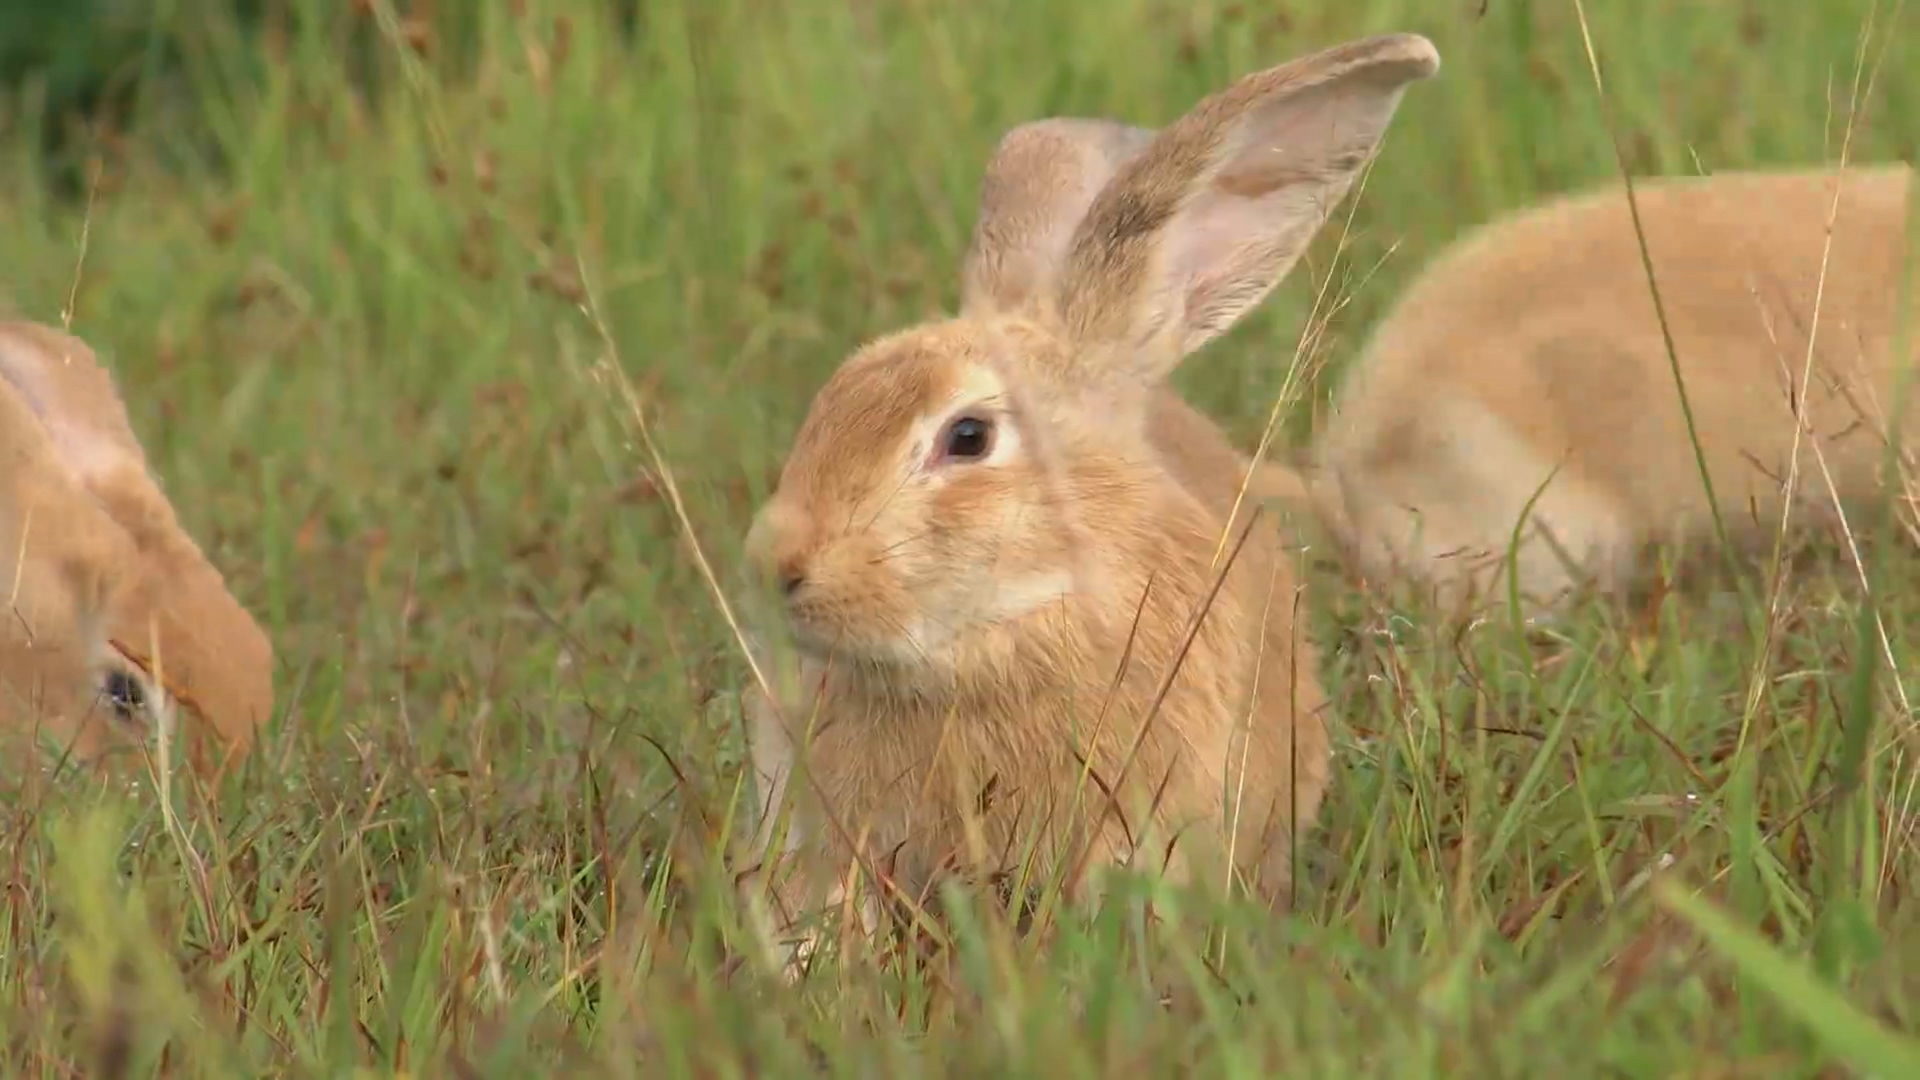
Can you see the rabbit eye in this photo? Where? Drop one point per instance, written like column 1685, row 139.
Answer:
column 125, row 694
column 967, row 438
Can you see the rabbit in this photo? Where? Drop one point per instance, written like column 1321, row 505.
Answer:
column 118, row 627
column 1527, row 365
column 994, row 533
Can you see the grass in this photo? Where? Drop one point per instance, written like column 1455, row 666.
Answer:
column 480, row 836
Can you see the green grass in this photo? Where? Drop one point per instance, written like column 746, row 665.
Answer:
column 480, row 837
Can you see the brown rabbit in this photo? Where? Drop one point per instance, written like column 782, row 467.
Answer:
column 1530, row 359
column 995, row 533
column 117, row 624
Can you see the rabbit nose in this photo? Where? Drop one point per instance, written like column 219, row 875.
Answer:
column 793, row 576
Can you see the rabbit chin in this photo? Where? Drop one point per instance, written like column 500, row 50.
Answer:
column 901, row 647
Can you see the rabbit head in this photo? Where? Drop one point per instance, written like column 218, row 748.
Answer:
column 117, row 626
column 953, row 478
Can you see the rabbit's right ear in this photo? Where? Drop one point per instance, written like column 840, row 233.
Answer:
column 1038, row 185
column 76, row 401
column 73, row 398
column 1200, row 225
column 47, row 514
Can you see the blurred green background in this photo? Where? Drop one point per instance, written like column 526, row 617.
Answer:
column 352, row 262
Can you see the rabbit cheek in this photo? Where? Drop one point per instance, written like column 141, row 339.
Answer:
column 48, row 667
column 994, row 556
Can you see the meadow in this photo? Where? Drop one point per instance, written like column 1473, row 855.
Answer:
column 364, row 271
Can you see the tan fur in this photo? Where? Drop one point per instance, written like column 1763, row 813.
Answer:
column 971, row 632
column 1533, row 345
column 103, row 578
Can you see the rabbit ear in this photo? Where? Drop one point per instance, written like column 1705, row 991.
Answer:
column 1204, row 222
column 1038, row 185
column 73, row 397
column 50, row 520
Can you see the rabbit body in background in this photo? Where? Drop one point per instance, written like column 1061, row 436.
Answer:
column 1527, row 365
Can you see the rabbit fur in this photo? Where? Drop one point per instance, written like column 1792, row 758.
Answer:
column 995, row 533
column 1527, row 365
column 118, row 624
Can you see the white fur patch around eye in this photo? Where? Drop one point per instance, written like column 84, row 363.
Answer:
column 980, row 391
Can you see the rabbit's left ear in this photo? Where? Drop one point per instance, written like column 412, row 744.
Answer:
column 1037, row 187
column 1201, row 224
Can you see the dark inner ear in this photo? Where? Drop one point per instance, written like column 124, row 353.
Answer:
column 1195, row 230
column 1106, row 286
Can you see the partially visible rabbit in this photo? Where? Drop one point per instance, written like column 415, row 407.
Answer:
column 995, row 533
column 1527, row 364
column 117, row 625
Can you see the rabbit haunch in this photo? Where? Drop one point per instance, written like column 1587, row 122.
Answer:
column 1530, row 358
column 1034, row 616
